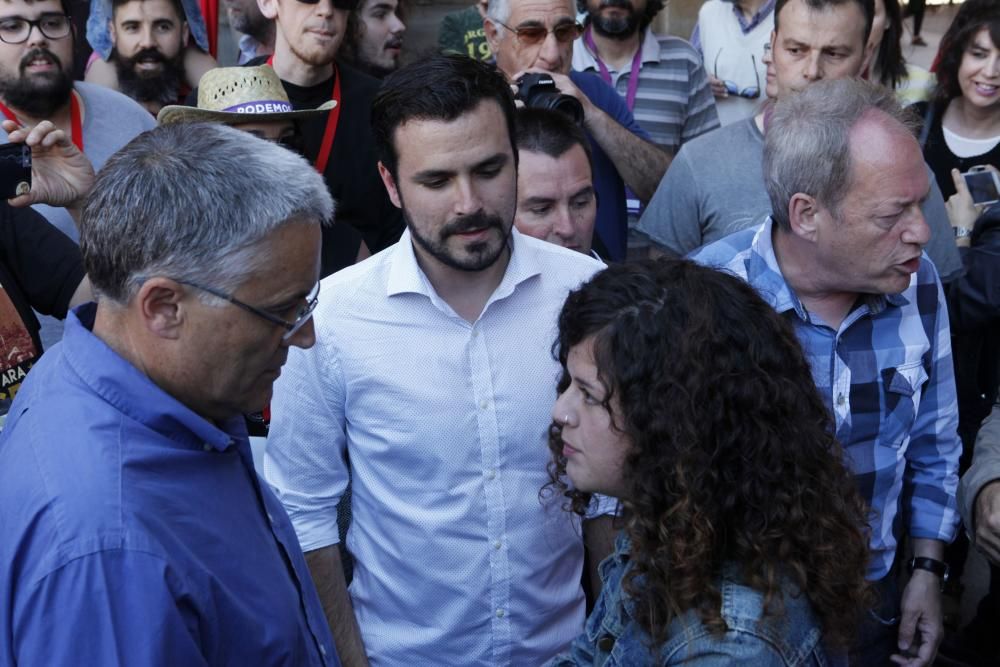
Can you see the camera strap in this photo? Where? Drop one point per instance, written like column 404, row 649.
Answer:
column 76, row 124
column 633, row 77
column 332, row 118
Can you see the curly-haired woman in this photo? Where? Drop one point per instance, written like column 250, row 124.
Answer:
column 688, row 398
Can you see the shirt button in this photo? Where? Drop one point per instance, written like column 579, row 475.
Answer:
column 840, row 399
column 491, row 473
column 474, row 333
column 484, row 405
column 497, row 544
column 606, row 643
column 270, row 518
column 500, row 613
column 322, row 650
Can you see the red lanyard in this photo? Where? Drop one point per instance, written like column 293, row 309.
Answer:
column 74, row 112
column 633, row 78
column 332, row 119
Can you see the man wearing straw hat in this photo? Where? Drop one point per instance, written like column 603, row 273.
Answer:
column 252, row 99
column 340, row 144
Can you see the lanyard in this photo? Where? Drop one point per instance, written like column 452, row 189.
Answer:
column 332, row 119
column 76, row 132
column 633, row 78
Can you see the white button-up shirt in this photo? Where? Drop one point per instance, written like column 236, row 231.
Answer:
column 445, row 424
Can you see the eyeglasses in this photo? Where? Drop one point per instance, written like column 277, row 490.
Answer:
column 532, row 35
column 16, row 30
column 750, row 93
column 303, row 315
column 346, row 5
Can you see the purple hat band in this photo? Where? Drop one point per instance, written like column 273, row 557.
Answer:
column 263, row 106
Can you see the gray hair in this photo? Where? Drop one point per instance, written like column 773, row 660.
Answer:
column 499, row 12
column 807, row 144
column 192, row 202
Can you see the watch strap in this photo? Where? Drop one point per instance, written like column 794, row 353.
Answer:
column 931, row 565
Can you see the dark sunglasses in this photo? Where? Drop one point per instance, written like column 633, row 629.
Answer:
column 346, row 5
column 531, row 35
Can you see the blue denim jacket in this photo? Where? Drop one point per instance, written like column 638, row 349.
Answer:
column 611, row 636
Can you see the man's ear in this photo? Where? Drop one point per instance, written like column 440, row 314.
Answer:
column 803, row 216
column 871, row 49
column 112, row 32
column 185, row 34
column 269, row 8
column 162, row 307
column 492, row 33
column 390, row 185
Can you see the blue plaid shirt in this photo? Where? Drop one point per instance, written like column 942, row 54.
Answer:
column 886, row 375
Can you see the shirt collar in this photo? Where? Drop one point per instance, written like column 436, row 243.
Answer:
column 747, row 26
column 406, row 276
column 133, row 393
column 765, row 275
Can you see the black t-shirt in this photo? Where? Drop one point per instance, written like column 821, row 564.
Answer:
column 352, row 171
column 40, row 269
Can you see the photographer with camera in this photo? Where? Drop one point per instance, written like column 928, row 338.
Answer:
column 538, row 37
column 40, row 267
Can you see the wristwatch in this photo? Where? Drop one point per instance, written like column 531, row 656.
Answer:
column 962, row 232
column 933, row 566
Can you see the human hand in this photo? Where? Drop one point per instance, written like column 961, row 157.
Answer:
column 718, row 87
column 962, row 211
column 60, row 174
column 987, row 521
column 566, row 87
column 921, row 612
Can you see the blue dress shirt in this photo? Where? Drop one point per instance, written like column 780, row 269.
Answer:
column 135, row 532
column 887, row 378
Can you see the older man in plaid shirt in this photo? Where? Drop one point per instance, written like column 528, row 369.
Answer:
column 841, row 257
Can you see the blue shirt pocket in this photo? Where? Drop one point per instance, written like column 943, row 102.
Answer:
column 902, row 387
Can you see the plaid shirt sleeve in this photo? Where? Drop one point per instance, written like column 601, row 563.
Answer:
column 931, row 477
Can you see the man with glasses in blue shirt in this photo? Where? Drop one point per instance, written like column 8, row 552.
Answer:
column 135, row 530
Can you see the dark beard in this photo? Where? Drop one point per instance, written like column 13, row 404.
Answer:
column 39, row 95
column 617, row 28
column 162, row 87
column 483, row 256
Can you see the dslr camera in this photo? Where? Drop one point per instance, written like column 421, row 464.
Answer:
column 539, row 91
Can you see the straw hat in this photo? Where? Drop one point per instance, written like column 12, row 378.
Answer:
column 238, row 95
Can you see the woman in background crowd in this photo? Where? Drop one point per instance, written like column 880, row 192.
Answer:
column 912, row 83
column 961, row 126
column 688, row 398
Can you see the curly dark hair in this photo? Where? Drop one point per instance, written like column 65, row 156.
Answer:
column 731, row 457
column 972, row 16
column 354, row 33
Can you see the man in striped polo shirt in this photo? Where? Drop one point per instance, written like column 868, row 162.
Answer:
column 660, row 77
column 841, row 257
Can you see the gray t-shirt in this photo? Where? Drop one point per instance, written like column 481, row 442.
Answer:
column 715, row 186
column 110, row 120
